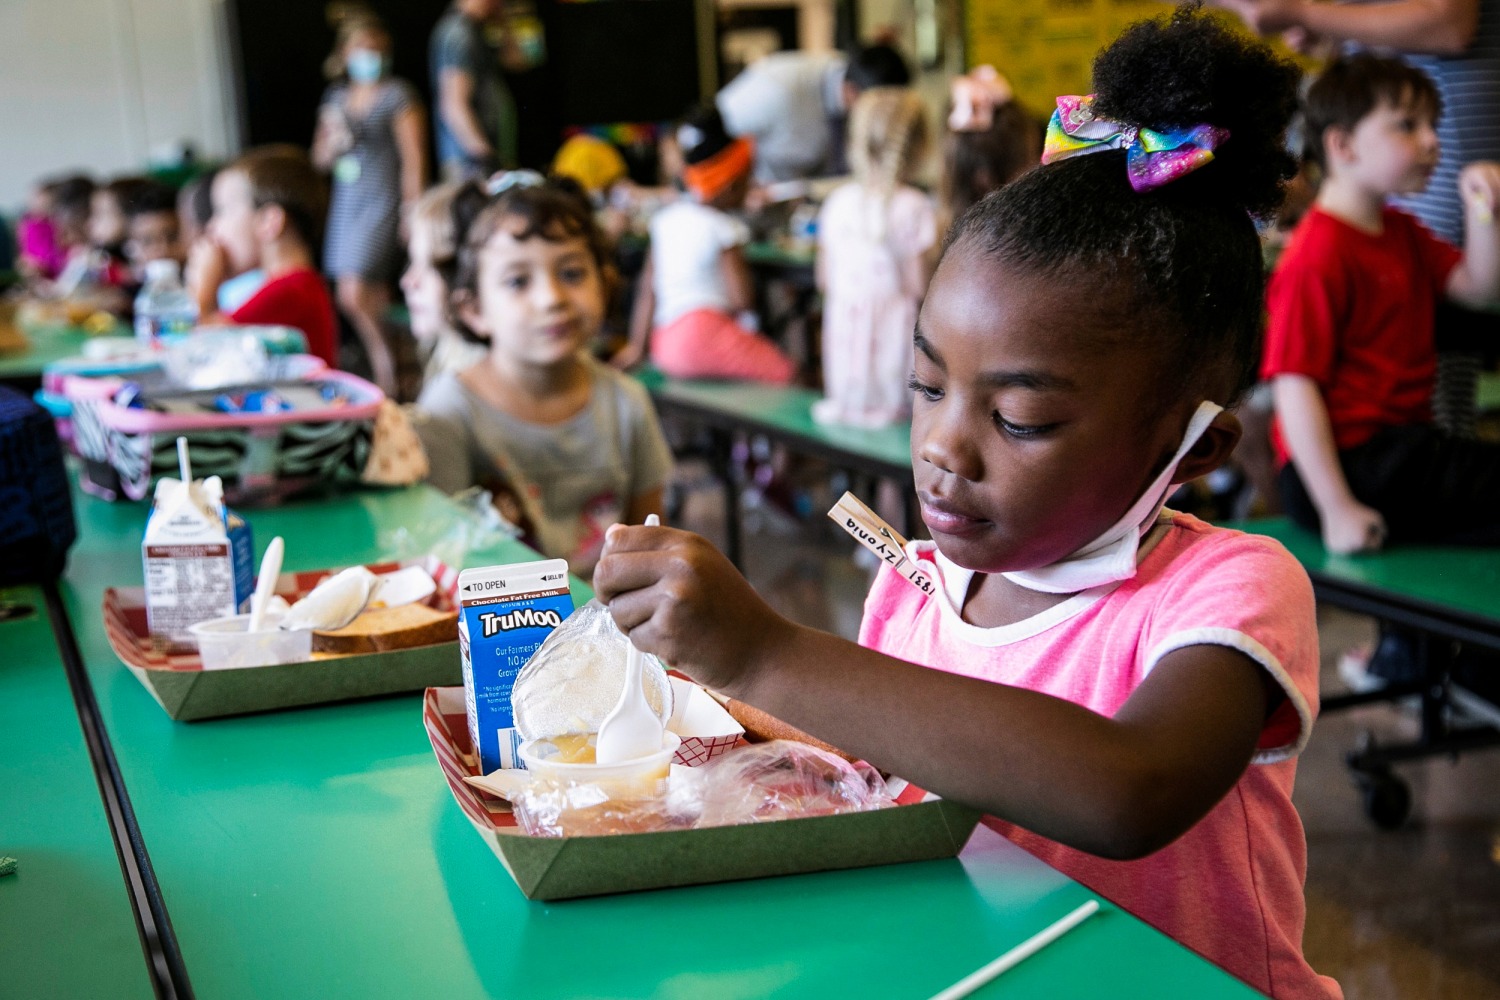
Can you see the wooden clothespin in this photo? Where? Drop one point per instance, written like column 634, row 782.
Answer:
column 880, row 538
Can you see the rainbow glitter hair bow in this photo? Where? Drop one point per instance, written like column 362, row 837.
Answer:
column 1152, row 158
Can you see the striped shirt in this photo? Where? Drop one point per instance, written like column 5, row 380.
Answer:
column 1470, row 127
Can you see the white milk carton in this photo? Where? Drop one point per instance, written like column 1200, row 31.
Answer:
column 198, row 559
column 506, row 613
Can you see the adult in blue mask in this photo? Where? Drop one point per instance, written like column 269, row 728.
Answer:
column 371, row 137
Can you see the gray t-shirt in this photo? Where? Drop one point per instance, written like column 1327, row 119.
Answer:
column 458, row 43
column 572, row 480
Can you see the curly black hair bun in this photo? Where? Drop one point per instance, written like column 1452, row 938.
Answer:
column 1188, row 68
column 1183, row 258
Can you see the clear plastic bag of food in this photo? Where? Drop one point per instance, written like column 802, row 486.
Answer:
column 570, row 809
column 574, row 680
column 783, row 779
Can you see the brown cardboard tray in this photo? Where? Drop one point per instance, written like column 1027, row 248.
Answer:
column 550, row 868
column 177, row 680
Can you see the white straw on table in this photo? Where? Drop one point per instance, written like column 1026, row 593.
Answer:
column 1019, row 953
column 184, row 468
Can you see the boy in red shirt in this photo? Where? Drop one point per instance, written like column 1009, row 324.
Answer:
column 1349, row 342
column 268, row 210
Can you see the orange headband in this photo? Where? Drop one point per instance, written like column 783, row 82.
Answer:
column 711, row 177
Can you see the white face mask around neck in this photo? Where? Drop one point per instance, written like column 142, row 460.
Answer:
column 1111, row 557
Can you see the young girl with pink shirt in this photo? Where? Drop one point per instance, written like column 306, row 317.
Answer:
column 1123, row 689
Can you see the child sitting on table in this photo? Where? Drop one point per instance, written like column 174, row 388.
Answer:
column 875, row 241
column 427, row 282
column 268, row 209
column 696, row 280
column 567, row 445
column 1124, row 689
column 1349, row 346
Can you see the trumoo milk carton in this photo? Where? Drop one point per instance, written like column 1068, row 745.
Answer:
column 198, row 559
column 506, row 613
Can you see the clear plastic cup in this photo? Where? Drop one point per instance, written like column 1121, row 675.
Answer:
column 223, row 643
column 630, row 775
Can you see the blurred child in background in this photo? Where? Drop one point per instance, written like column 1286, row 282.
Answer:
column 108, row 213
column 40, row 255
column 213, row 289
column 991, row 140
column 696, row 291
column 152, row 229
column 427, row 283
column 876, row 237
column 96, row 266
column 268, row 209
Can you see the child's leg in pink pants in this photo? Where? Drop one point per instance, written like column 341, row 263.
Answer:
column 706, row 343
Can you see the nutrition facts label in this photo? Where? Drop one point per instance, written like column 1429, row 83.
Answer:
column 186, row 584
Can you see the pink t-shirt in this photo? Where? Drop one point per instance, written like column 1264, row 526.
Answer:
column 1231, row 887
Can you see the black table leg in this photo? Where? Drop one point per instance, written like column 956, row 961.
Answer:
column 722, row 446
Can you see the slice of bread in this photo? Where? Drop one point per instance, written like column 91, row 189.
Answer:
column 385, row 629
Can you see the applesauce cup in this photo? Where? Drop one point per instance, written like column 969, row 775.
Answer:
column 628, row 777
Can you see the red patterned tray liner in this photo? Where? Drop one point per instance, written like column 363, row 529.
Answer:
column 125, row 612
column 448, row 730
column 449, row 734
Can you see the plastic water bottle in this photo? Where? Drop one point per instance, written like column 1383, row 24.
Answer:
column 803, row 228
column 163, row 306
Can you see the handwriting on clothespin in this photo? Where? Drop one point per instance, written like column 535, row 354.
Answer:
column 871, row 531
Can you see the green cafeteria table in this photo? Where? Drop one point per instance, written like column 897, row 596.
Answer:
column 1443, row 594
column 66, row 927
column 48, row 344
column 317, row 852
column 782, row 413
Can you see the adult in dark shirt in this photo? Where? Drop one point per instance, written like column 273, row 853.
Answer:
column 476, row 114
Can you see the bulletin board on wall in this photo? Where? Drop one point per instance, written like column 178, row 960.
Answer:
column 1046, row 48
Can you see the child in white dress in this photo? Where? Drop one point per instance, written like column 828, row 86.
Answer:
column 876, row 237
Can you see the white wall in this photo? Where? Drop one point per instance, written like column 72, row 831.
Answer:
column 104, row 85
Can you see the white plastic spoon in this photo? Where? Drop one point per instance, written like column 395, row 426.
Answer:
column 265, row 584
column 631, row 729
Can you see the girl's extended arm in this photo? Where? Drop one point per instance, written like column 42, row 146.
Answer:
column 1119, row 788
column 738, row 281
column 641, row 315
column 1348, row 525
column 1437, row 27
column 1476, row 280
column 410, row 128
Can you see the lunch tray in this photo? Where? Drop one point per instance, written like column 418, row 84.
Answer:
column 920, row 827
column 177, row 680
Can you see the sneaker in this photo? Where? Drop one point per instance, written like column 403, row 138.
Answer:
column 1395, row 658
column 1354, row 670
